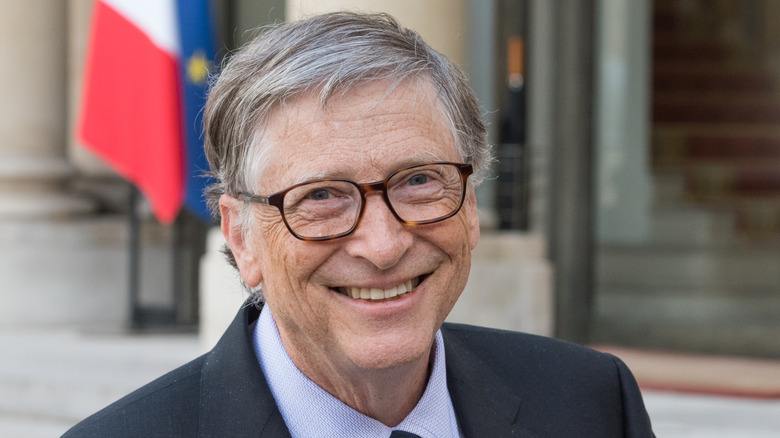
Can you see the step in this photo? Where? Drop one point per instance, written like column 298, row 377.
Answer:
column 21, row 426
column 693, row 226
column 759, row 218
column 713, row 319
column 679, row 147
column 85, row 267
column 710, row 305
column 734, row 180
column 726, row 337
column 669, row 190
column 659, row 266
column 689, row 320
column 62, row 377
column 756, row 218
column 714, row 208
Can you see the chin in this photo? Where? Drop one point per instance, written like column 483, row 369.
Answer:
column 386, row 354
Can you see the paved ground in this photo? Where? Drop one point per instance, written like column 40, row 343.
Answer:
column 48, row 381
column 696, row 416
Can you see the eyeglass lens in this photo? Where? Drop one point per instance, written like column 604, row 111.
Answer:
column 328, row 208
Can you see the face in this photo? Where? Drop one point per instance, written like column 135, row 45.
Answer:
column 364, row 136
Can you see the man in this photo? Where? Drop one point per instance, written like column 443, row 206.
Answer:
column 346, row 152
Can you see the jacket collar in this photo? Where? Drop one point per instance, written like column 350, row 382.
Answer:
column 235, row 398
column 484, row 403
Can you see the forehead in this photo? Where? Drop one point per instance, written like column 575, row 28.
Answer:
column 362, row 134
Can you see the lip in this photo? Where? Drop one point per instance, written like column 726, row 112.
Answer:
column 397, row 304
column 387, row 293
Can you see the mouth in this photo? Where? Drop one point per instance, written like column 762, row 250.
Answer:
column 380, row 295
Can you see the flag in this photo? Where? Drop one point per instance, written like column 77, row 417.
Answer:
column 197, row 55
column 145, row 82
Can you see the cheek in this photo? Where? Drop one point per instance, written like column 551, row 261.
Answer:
column 291, row 265
column 457, row 245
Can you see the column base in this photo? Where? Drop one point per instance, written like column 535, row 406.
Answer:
column 34, row 188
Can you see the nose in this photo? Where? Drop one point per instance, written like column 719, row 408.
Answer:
column 379, row 238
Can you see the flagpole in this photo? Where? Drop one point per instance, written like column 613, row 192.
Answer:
column 177, row 262
column 134, row 258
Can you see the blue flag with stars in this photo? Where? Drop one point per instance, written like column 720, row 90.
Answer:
column 197, row 59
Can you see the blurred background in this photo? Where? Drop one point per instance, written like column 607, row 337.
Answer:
column 634, row 205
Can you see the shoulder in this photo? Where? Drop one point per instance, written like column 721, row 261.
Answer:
column 167, row 406
column 514, row 345
column 533, row 360
column 594, row 391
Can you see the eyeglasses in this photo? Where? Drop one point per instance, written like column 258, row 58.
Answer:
column 331, row 208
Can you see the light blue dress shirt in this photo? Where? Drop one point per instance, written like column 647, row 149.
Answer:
column 309, row 411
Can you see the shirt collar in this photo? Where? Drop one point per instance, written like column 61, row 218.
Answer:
column 310, row 411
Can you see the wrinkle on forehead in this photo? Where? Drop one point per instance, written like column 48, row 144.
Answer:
column 423, row 89
column 373, row 163
column 410, row 114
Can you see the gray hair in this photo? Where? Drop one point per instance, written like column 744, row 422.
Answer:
column 328, row 54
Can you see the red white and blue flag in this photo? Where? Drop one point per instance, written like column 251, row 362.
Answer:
column 145, row 85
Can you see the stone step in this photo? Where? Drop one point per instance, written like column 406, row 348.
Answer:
column 657, row 267
column 745, row 179
column 710, row 305
column 669, row 190
column 674, row 149
column 80, row 269
column 749, row 199
column 706, row 320
column 727, row 337
column 21, row 426
column 686, row 225
column 60, row 377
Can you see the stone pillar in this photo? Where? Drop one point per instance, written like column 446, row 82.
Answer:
column 79, row 21
column 33, row 123
column 61, row 265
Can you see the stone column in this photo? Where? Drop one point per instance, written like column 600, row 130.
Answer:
column 33, row 124
column 61, row 265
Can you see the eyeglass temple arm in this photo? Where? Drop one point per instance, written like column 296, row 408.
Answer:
column 254, row 198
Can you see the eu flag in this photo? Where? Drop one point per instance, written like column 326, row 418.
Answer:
column 197, row 58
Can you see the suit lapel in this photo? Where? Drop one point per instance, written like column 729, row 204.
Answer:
column 235, row 398
column 484, row 403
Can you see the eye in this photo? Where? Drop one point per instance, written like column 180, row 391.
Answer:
column 418, row 180
column 319, row 195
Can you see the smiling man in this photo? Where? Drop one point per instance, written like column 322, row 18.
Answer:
column 346, row 152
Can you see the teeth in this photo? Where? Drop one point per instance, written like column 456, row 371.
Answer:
column 390, row 293
column 374, row 294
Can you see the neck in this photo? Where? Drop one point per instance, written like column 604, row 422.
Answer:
column 387, row 395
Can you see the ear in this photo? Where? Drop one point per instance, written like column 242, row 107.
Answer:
column 248, row 261
column 472, row 217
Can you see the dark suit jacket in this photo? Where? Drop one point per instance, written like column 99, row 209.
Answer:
column 502, row 384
